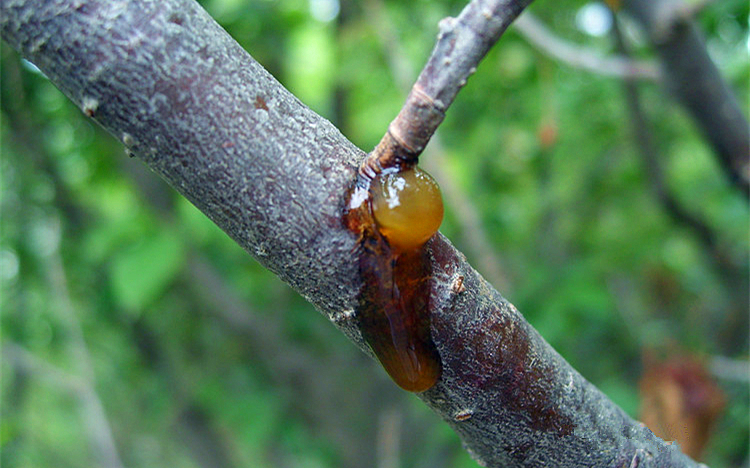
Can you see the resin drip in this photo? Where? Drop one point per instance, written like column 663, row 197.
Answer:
column 395, row 214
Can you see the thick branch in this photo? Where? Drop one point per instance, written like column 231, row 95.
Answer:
column 695, row 82
column 167, row 81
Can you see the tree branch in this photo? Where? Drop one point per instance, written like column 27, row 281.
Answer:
column 473, row 234
column 580, row 57
column 692, row 78
column 182, row 96
column 461, row 45
column 718, row 256
column 650, row 156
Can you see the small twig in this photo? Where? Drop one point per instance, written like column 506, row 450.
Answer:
column 584, row 58
column 461, row 45
column 474, row 234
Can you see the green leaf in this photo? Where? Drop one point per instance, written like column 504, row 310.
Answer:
column 141, row 273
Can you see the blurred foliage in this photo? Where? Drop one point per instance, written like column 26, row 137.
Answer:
column 199, row 357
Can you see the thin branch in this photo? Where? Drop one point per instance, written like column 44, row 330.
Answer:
column 474, row 235
column 461, row 45
column 650, row 155
column 534, row 31
column 185, row 98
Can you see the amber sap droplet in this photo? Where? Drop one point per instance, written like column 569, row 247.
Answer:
column 395, row 301
column 407, row 206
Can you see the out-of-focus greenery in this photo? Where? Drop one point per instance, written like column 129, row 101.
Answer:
column 125, row 311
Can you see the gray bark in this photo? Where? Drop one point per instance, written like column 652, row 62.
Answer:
column 166, row 80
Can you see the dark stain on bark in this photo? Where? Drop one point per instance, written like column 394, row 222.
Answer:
column 522, row 384
column 176, row 18
column 494, row 353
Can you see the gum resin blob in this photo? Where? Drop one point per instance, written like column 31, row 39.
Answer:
column 407, row 207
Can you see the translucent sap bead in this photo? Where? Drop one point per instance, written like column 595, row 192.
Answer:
column 407, row 207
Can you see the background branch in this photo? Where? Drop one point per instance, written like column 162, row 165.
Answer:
column 692, row 78
column 531, row 28
column 80, row 384
column 99, row 430
column 705, row 233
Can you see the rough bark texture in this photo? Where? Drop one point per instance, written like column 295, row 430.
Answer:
column 182, row 96
column 692, row 78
